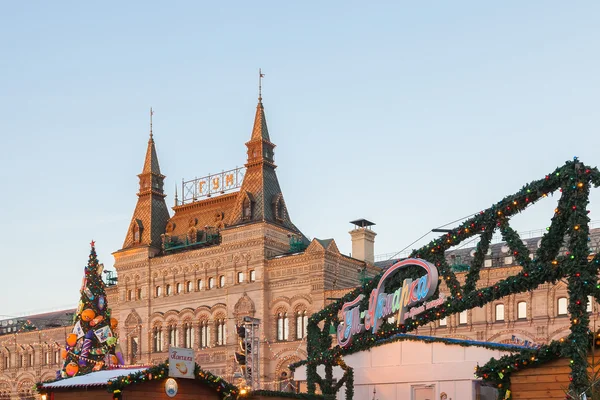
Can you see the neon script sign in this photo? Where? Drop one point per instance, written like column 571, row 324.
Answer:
column 382, row 305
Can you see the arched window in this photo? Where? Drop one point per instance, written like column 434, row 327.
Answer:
column 45, row 357
column 240, row 277
column 168, row 290
column 282, row 326
column 221, row 332
column 56, row 356
column 31, row 358
column 522, row 310
column 301, row 324
column 139, row 294
column 136, row 233
column 130, row 295
column 562, row 306
column 443, row 322
column 157, row 339
column 590, row 304
column 204, row 334
column 211, row 283
column 179, row 288
column 188, row 335
column 158, row 291
column 173, row 338
column 279, row 208
column 247, row 209
column 462, row 318
column 199, row 284
column 7, row 360
column 189, row 286
column 499, row 312
column 222, row 281
column 252, row 275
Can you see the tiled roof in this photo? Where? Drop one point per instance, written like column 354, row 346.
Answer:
column 39, row 321
column 499, row 254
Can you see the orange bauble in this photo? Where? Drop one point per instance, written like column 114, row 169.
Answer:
column 88, row 314
column 71, row 339
column 114, row 360
column 63, row 353
column 114, row 323
column 72, row 369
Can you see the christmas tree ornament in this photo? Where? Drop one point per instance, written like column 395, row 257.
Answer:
column 114, row 323
column 85, row 348
column 119, row 355
column 71, row 339
column 88, row 293
column 78, row 330
column 71, row 369
column 96, row 320
column 87, row 315
column 101, row 303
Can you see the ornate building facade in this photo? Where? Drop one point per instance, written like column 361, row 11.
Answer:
column 187, row 279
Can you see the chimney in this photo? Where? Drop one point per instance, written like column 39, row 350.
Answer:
column 363, row 240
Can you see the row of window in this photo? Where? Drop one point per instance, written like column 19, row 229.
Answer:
column 562, row 309
column 189, row 286
column 283, row 325
column 28, row 359
column 172, row 334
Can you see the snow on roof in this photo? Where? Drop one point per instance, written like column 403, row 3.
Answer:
column 99, row 378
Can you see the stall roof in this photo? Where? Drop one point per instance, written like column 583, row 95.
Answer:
column 99, row 378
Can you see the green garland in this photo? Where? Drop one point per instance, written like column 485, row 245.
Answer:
column 574, row 181
column 161, row 371
column 498, row 372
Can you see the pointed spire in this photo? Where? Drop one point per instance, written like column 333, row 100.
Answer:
column 151, row 161
column 260, row 131
column 151, row 114
column 260, row 76
column 151, row 214
column 176, row 199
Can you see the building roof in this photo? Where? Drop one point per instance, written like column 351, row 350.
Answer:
column 47, row 320
column 98, row 378
column 499, row 254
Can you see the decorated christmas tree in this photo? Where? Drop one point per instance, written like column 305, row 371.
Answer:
column 92, row 345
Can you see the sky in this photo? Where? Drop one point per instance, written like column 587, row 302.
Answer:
column 411, row 115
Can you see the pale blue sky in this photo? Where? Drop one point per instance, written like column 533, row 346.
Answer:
column 408, row 115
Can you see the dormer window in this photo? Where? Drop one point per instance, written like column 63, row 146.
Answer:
column 136, row 231
column 247, row 207
column 279, row 208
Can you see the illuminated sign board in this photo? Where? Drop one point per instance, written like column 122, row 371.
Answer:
column 402, row 303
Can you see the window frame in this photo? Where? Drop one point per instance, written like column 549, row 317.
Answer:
column 519, row 310
column 499, row 313
column 558, row 306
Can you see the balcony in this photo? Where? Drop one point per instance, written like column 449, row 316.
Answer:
column 195, row 239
